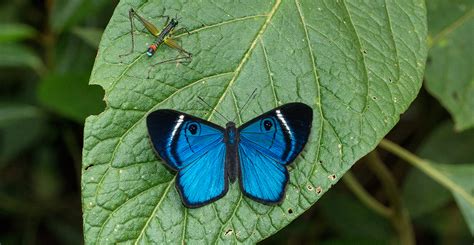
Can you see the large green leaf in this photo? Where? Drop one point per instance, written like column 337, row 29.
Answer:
column 445, row 146
column 70, row 96
column 358, row 65
column 449, row 74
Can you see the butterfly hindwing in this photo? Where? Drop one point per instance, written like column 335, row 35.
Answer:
column 267, row 144
column 194, row 148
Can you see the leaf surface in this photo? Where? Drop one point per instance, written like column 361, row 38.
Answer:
column 358, row 65
column 454, row 151
column 449, row 72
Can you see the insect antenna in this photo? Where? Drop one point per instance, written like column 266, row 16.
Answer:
column 213, row 109
column 251, row 97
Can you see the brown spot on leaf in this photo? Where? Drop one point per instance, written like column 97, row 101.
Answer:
column 332, row 177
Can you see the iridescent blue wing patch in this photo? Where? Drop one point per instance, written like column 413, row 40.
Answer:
column 194, row 148
column 267, row 144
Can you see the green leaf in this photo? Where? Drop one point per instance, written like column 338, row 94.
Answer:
column 449, row 74
column 357, row 65
column 16, row 55
column 70, row 96
column 461, row 176
column 65, row 14
column 446, row 146
column 419, row 203
column 14, row 32
column 375, row 227
column 20, row 126
column 443, row 145
column 90, row 35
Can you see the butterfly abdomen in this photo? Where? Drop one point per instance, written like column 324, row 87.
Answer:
column 232, row 140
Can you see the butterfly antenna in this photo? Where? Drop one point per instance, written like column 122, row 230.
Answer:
column 251, row 97
column 213, row 109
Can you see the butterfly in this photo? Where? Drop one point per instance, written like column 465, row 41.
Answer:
column 208, row 157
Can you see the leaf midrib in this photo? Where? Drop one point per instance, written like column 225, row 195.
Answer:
column 233, row 79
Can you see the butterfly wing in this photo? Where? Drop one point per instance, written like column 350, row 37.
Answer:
column 193, row 147
column 266, row 145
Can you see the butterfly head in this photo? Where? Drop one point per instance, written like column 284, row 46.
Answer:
column 231, row 135
column 230, row 125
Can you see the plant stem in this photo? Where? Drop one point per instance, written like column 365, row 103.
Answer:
column 359, row 191
column 426, row 167
column 400, row 217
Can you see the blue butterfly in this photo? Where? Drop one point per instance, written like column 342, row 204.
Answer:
column 207, row 157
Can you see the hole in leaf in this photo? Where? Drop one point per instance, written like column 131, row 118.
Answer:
column 89, row 166
column 290, row 211
column 228, row 232
column 374, row 97
column 319, row 190
column 332, row 177
column 309, row 187
column 364, row 51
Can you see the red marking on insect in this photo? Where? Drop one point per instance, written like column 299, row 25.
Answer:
column 151, row 50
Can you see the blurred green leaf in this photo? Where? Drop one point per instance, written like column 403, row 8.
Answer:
column 432, row 196
column 352, row 240
column 46, row 180
column 20, row 126
column 446, row 145
column 17, row 55
column 10, row 32
column 67, row 13
column 346, row 215
column 462, row 176
column 359, row 65
column 443, row 145
column 80, row 56
column 445, row 224
column 450, row 73
column 90, row 35
column 70, row 96
column 467, row 209
column 12, row 113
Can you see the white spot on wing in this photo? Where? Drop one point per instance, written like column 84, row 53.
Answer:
column 283, row 121
column 281, row 118
column 178, row 124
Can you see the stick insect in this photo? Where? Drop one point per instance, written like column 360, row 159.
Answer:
column 164, row 36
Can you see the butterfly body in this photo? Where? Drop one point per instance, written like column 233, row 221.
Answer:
column 231, row 140
column 207, row 157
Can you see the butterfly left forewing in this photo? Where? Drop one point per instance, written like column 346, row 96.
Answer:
column 267, row 144
column 194, row 148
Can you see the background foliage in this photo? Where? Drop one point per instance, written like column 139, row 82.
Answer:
column 46, row 56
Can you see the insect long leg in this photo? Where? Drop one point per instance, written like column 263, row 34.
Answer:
column 180, row 60
column 181, row 31
column 172, row 44
column 131, row 14
column 148, row 25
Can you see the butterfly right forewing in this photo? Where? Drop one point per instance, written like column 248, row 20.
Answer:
column 267, row 144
